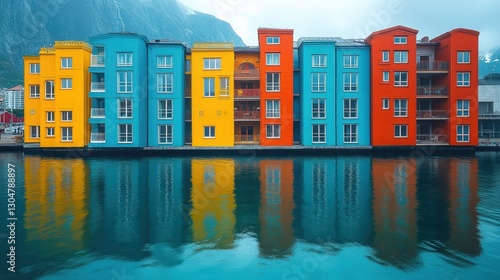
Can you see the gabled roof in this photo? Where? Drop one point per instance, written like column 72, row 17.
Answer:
column 454, row 31
column 389, row 30
column 16, row 88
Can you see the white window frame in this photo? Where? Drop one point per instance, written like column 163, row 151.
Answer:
column 399, row 110
column 35, row 132
column 463, row 57
column 34, row 68
column 273, row 109
column 318, row 133
column 400, row 40
column 318, row 108
column 50, row 94
column 272, row 40
column 273, row 84
column 50, row 132
column 212, row 63
column 463, row 108
column 386, row 103
column 66, row 134
column 127, row 135
column 66, row 83
column 463, row 137
column 463, row 79
column 350, row 111
column 124, row 59
column 386, row 76
column 386, row 56
column 168, row 112
column 350, row 82
column 351, row 137
column 164, row 61
column 50, row 116
column 224, row 88
column 66, row 62
column 34, row 91
column 66, row 116
column 398, row 81
column 165, row 82
column 273, row 58
column 209, row 83
column 400, row 56
column 273, row 128
column 318, row 82
column 168, row 136
column 351, row 61
column 318, row 60
column 127, row 83
column 209, row 132
column 126, row 112
column 398, row 130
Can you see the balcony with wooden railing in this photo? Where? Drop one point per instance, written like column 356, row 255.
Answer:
column 433, row 66
column 247, row 93
column 246, row 74
column 432, row 92
column 246, row 115
column 246, row 139
column 432, row 139
column 433, row 114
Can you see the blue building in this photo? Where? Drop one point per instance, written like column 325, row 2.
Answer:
column 166, row 87
column 118, row 93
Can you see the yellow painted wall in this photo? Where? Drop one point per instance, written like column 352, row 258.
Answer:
column 215, row 111
column 31, row 105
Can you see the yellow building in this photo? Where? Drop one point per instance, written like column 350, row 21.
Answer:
column 212, row 76
column 56, row 101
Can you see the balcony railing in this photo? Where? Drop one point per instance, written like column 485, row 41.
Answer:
column 246, row 139
column 433, row 114
column 187, row 116
column 97, row 61
column 440, row 91
column 246, row 93
column 432, row 139
column 97, row 112
column 187, row 92
column 246, row 74
column 98, row 137
column 246, row 115
column 433, row 66
column 490, row 115
column 97, row 86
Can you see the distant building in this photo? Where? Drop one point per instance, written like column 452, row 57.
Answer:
column 489, row 107
column 13, row 98
column 9, row 118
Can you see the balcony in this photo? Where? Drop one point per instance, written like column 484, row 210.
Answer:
column 98, row 138
column 246, row 139
column 432, row 139
column 97, row 86
column 97, row 113
column 187, row 93
column 433, row 66
column 247, row 115
column 97, row 61
column 433, row 114
column 247, row 74
column 432, row 92
column 489, row 115
column 247, row 93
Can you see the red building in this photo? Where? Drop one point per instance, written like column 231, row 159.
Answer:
column 8, row 118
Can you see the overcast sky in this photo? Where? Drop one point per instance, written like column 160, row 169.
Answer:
column 356, row 18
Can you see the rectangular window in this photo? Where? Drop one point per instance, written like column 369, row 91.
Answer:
column 400, row 40
column 385, row 76
column 319, row 60
column 124, row 82
column 350, row 133
column 463, row 133
column 385, row 56
column 273, row 131
column 165, row 134
column 350, row 61
column 66, row 134
column 49, row 132
column 401, row 79
column 350, row 108
column 34, row 132
column 385, row 103
column 50, row 117
column 401, row 57
column 165, row 83
column 209, row 131
column 124, row 108
column 319, row 133
column 463, row 108
column 211, row 63
column 272, row 109
column 272, row 81
column 66, row 62
column 66, row 83
column 34, row 68
column 350, row 82
column 318, row 108
column 401, row 131
column 34, row 91
column 208, row 87
column 272, row 59
column 165, row 109
column 224, row 86
column 318, row 82
column 272, row 40
column 164, row 61
column 125, row 133
column 463, row 57
column 49, row 90
column 463, row 79
column 66, row 116
column 400, row 107
column 124, row 59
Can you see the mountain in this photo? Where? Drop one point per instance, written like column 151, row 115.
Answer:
column 27, row 25
column 489, row 62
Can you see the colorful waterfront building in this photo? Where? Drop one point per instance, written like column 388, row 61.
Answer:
column 118, row 92
column 212, row 94
column 56, row 104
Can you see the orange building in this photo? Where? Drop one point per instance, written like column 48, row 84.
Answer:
column 276, row 73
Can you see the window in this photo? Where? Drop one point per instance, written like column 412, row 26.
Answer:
column 401, row 131
column 165, row 134
column 350, row 133
column 34, row 68
column 224, row 86
column 318, row 82
column 350, row 61
column 319, row 60
column 272, row 40
column 209, row 131
column 124, row 133
column 66, row 83
column 273, row 82
column 385, row 56
column 49, row 90
column 165, row 109
column 400, row 107
column 463, row 107
column 208, row 87
column 400, row 40
column 463, row 133
column 66, row 134
column 34, row 91
column 272, row 109
column 50, row 117
column 49, row 132
column 165, row 83
column 401, row 78
column 272, row 59
column 463, row 57
column 124, row 59
column 350, row 81
column 401, row 57
column 211, row 63
column 385, row 76
column 318, row 108
column 385, row 103
column 124, row 108
column 66, row 62
column 164, row 61
column 319, row 133
column 124, row 82
column 273, row 131
column 350, row 108
column 66, row 116
column 34, row 132
column 463, row 79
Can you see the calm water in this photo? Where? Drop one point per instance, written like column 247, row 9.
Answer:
column 253, row 218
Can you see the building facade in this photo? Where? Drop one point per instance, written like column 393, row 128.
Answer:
column 489, row 109
column 13, row 98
